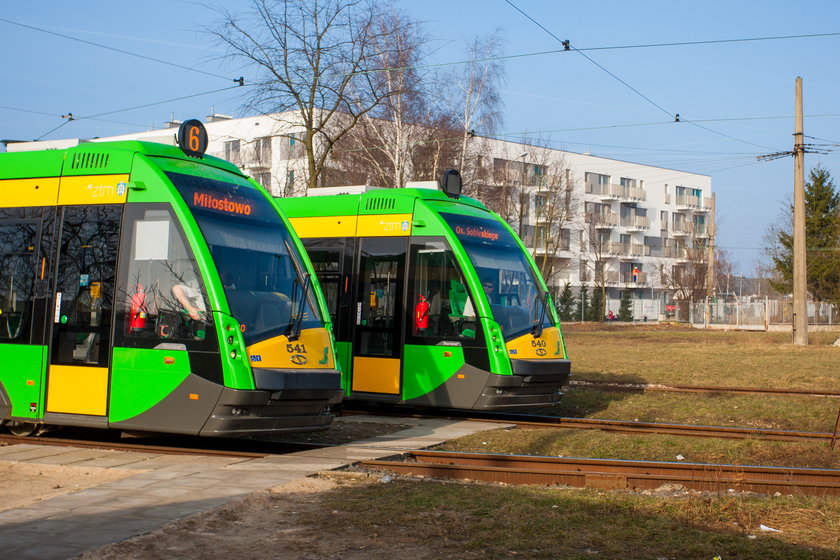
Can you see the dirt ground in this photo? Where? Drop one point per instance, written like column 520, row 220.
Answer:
column 24, row 483
column 261, row 525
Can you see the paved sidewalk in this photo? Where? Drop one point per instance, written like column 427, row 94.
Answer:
column 171, row 487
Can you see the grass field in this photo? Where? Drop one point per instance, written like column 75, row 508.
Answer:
column 697, row 357
column 471, row 521
column 422, row 519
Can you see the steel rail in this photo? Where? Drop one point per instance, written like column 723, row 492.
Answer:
column 617, row 386
column 690, row 430
column 613, row 474
column 620, row 426
column 137, row 447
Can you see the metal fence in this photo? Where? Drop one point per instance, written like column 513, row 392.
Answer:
column 752, row 314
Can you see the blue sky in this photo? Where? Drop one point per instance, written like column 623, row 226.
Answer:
column 741, row 93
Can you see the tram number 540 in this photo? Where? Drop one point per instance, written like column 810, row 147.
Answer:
column 538, row 343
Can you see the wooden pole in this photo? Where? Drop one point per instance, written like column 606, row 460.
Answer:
column 800, row 278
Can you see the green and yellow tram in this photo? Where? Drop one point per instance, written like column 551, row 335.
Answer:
column 435, row 300
column 145, row 287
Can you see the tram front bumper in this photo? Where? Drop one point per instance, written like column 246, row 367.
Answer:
column 283, row 401
column 533, row 383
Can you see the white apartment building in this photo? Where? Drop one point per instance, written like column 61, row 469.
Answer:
column 627, row 226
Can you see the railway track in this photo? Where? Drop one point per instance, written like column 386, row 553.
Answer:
column 214, row 448
column 634, row 427
column 613, row 474
column 619, row 426
column 642, row 387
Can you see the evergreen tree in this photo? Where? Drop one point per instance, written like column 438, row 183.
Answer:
column 582, row 307
column 566, row 303
column 595, row 311
column 822, row 237
column 625, row 309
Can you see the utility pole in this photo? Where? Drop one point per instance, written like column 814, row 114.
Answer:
column 800, row 278
column 710, row 254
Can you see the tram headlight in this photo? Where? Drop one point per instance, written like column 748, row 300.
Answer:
column 230, row 340
column 233, row 354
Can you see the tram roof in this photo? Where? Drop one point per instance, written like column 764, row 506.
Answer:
column 50, row 163
column 377, row 201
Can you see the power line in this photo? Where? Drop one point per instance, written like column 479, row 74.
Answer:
column 160, row 102
column 581, row 49
column 53, row 114
column 567, row 46
column 71, row 117
column 122, row 51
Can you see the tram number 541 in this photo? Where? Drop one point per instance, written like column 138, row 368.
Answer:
column 296, row 348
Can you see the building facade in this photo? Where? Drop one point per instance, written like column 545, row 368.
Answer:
column 615, row 227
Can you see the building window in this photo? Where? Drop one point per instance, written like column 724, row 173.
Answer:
column 264, row 179
column 231, row 152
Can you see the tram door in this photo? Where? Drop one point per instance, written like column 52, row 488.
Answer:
column 78, row 370
column 379, row 316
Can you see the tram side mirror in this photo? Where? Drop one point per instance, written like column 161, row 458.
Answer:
column 450, row 183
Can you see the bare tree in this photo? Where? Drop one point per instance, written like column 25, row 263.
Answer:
column 555, row 208
column 686, row 280
column 598, row 226
column 381, row 148
column 316, row 62
column 472, row 95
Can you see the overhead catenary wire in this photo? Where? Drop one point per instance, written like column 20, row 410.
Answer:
column 115, row 49
column 96, row 116
column 53, row 115
column 568, row 46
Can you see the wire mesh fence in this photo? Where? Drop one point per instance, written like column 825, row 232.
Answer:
column 752, row 314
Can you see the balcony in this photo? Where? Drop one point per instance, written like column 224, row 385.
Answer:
column 682, row 229
column 689, row 202
column 624, row 250
column 627, row 279
column 613, row 192
column 663, row 252
column 638, row 279
column 636, row 223
column 692, row 254
column 602, row 220
column 257, row 156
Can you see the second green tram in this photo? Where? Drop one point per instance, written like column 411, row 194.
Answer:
column 143, row 289
column 435, row 301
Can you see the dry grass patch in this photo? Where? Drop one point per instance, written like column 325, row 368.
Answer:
column 441, row 520
column 642, row 447
column 776, row 412
column 697, row 357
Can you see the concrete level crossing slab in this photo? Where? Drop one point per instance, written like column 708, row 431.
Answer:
column 167, row 488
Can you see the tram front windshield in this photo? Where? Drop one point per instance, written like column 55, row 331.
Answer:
column 516, row 299
column 267, row 288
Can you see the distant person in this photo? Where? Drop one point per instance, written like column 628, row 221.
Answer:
column 490, row 289
column 191, row 299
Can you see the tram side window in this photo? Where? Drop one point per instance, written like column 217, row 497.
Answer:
column 442, row 304
column 164, row 297
column 17, row 275
column 327, row 263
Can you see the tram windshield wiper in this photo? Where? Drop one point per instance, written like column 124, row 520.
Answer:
column 537, row 327
column 300, row 294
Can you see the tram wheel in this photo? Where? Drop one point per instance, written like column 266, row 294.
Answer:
column 23, row 429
